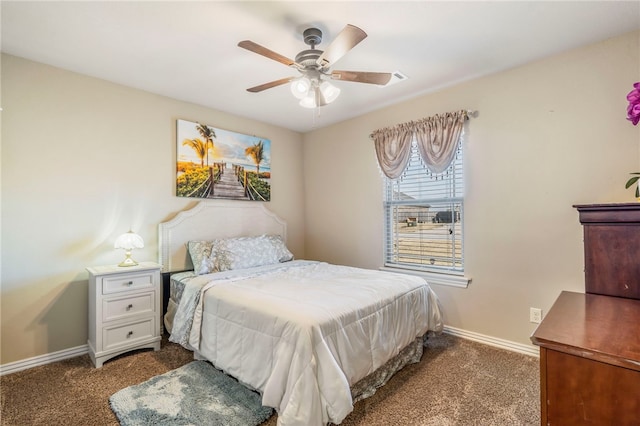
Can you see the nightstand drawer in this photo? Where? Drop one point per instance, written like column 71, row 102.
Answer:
column 125, row 335
column 123, row 307
column 127, row 282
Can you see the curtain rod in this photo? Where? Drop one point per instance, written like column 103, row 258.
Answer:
column 470, row 113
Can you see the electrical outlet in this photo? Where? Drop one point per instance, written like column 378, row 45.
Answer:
column 535, row 315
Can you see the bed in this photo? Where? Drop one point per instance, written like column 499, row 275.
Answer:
column 312, row 338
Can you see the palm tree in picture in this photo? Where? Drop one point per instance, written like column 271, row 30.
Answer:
column 200, row 148
column 256, row 152
column 208, row 134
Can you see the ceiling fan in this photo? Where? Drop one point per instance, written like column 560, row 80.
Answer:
column 312, row 87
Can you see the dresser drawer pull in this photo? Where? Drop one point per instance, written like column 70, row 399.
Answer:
column 129, row 334
column 129, row 283
column 129, row 307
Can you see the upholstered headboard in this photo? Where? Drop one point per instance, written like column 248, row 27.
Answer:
column 209, row 220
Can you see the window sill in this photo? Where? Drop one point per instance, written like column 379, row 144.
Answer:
column 452, row 280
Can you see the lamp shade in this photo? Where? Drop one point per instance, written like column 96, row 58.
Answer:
column 128, row 242
column 329, row 91
column 300, row 87
column 309, row 101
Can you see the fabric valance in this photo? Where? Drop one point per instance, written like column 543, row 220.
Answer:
column 437, row 138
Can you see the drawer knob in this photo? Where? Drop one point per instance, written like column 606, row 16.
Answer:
column 129, row 307
column 129, row 283
column 129, row 334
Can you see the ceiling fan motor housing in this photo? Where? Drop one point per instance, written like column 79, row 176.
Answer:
column 308, row 58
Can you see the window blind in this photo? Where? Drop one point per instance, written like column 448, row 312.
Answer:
column 424, row 216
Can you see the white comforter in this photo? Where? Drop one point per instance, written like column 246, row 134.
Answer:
column 304, row 333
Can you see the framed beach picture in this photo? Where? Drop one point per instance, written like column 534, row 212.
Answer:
column 218, row 163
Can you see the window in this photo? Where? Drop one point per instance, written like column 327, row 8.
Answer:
column 424, row 216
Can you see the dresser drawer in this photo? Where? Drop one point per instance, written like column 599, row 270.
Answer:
column 125, row 335
column 129, row 282
column 123, row 307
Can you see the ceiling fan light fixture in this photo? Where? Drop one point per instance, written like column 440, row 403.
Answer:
column 320, row 94
column 300, row 87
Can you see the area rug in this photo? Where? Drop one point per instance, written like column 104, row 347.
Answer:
column 194, row 394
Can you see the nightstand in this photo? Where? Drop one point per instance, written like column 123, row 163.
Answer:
column 124, row 310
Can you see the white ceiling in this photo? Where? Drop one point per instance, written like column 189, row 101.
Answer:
column 188, row 50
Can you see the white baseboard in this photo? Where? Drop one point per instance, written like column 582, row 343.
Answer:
column 493, row 341
column 36, row 361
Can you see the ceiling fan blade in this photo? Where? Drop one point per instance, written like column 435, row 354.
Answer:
column 344, row 42
column 269, row 85
column 380, row 78
column 260, row 50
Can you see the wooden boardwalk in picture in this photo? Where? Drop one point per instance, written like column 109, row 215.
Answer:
column 228, row 186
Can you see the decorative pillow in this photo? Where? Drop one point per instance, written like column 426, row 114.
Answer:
column 200, row 252
column 282, row 252
column 246, row 252
column 221, row 256
column 237, row 253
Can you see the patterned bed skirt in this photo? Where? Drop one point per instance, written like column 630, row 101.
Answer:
column 411, row 354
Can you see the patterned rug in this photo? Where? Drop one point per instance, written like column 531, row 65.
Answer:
column 194, row 394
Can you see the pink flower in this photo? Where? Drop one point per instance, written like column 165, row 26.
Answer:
column 633, row 110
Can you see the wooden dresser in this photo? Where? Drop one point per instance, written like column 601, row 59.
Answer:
column 590, row 342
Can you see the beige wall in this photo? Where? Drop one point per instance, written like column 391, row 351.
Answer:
column 83, row 160
column 548, row 135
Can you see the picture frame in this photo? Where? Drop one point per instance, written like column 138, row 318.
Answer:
column 217, row 163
